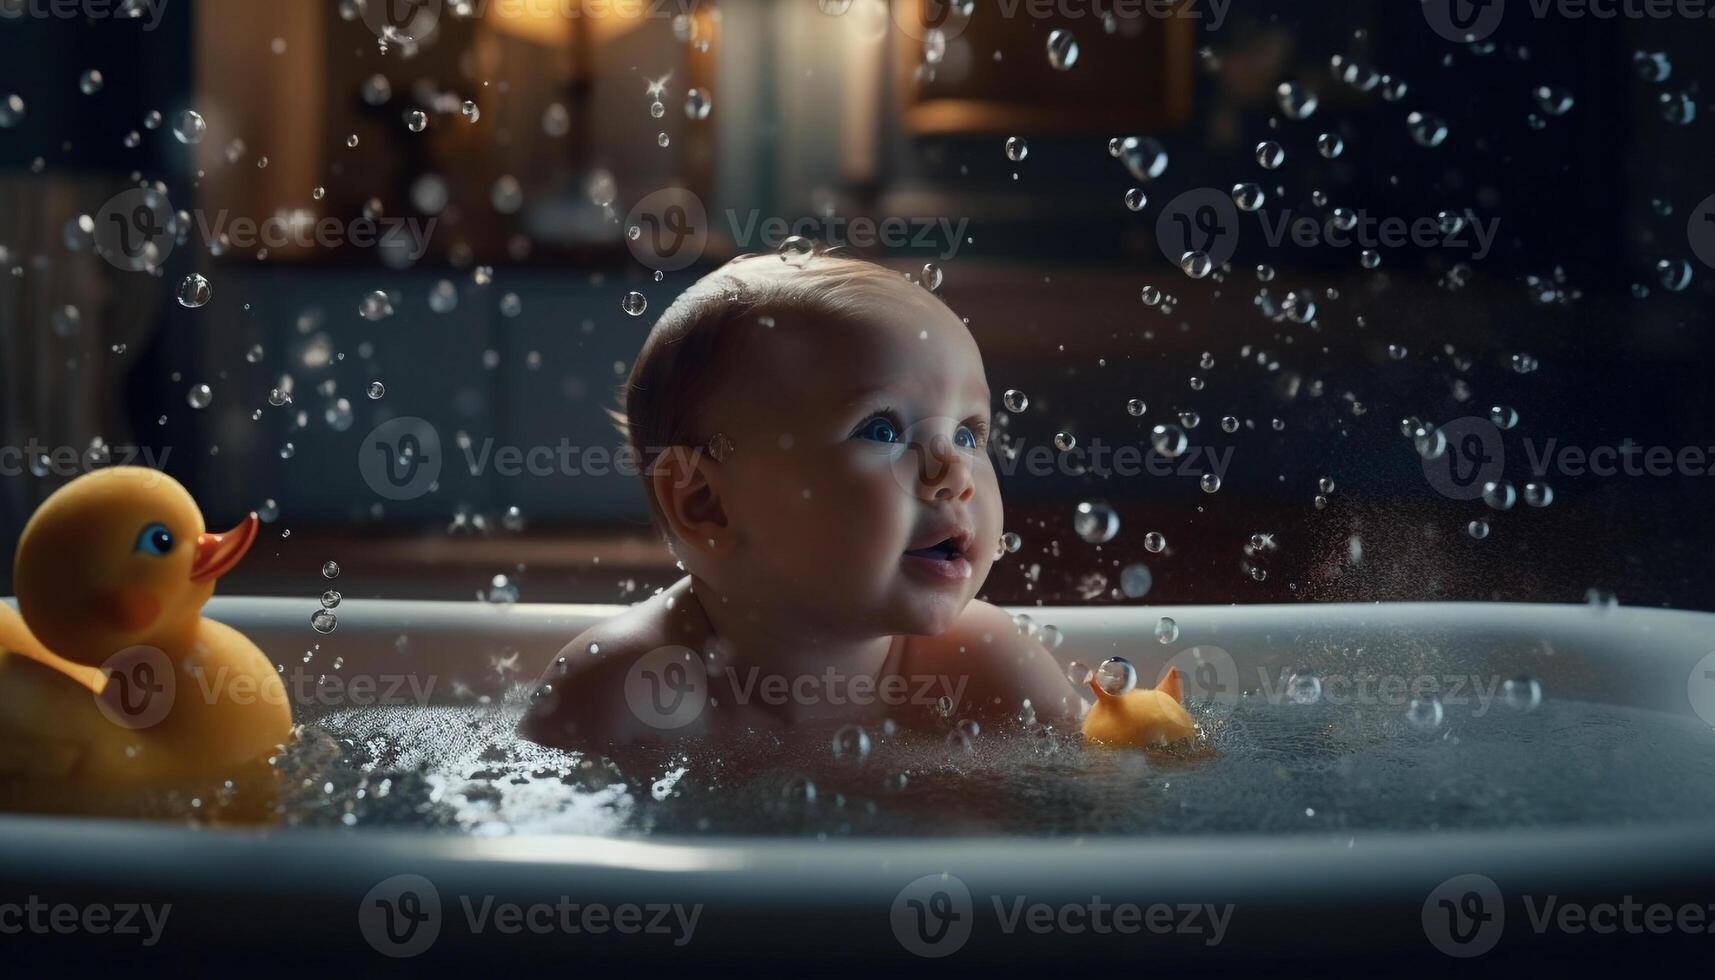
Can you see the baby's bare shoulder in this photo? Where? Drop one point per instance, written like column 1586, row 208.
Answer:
column 999, row 667
column 581, row 697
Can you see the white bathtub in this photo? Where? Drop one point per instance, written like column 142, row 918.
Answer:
column 289, row 900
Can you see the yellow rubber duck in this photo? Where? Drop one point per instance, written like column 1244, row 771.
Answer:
column 1141, row 717
column 111, row 674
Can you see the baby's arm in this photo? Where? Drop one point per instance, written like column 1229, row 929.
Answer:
column 999, row 668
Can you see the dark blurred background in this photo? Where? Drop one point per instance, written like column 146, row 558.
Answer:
column 819, row 109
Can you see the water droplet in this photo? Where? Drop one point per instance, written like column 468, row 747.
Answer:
column 1499, row 494
column 1424, row 713
column 797, row 251
column 195, row 292
column 1503, row 416
column 279, row 397
column 444, row 297
column 1078, row 673
column 189, row 127
column 1010, row 542
column 1136, row 407
column 1065, row 441
column 1151, row 296
column 511, row 305
column 1522, row 693
column 91, row 82
column 1062, row 50
column 1155, row 542
column 323, row 621
column 1652, row 66
column 1197, row 265
column 1674, row 274
column 1015, row 400
column 1248, row 196
column 416, row 120
column 1116, row 676
column 1096, row 522
column 1270, row 155
column 1166, row 630
column 269, row 512
column 1017, row 149
column 503, row 591
column 1169, row 440
column 1538, row 494
column 1370, row 258
column 200, row 396
column 1426, row 129
column 851, row 744
column 931, row 276
column 1210, row 482
column 376, row 390
column 1303, row 688
column 1554, row 100
column 697, row 104
column 1136, row 580
column 1136, row 199
column 1229, row 423
column 1478, row 529
column 634, row 303
column 1330, row 145
column 1144, row 156
column 375, row 306
column 11, row 111
column 352, row 141
column 331, row 599
column 1295, row 101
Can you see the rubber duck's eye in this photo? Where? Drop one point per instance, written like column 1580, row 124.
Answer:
column 878, row 429
column 155, row 540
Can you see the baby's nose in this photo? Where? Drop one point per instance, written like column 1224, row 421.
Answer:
column 942, row 472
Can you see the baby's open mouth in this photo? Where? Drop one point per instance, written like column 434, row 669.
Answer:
column 942, row 561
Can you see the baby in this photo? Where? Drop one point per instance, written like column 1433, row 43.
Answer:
column 815, row 448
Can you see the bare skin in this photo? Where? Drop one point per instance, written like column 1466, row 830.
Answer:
column 855, row 441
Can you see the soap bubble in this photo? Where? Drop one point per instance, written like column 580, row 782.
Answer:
column 1015, row 400
column 1304, row 688
column 931, row 276
column 697, row 104
column 1017, row 149
column 1065, row 441
column 91, row 82
column 1116, row 676
column 634, row 304
column 1096, row 522
column 1674, row 274
column 1136, row 407
column 376, row 390
column 1210, row 482
column 11, row 111
column 195, row 292
column 1652, row 66
column 502, row 591
column 1248, row 196
column 1010, row 542
column 200, row 397
column 851, row 744
column 797, row 251
column 1169, row 440
column 1155, row 542
column 1078, row 673
column 1151, row 296
column 1499, row 495
column 1197, row 265
column 556, row 121
column 1553, row 100
column 1426, row 129
column 330, row 570
column 331, row 599
column 1270, row 155
column 323, row 621
column 416, row 120
column 1504, row 416
column 1136, row 199
column 1538, row 494
column 1330, row 145
column 375, row 306
column 1424, row 713
column 1478, row 529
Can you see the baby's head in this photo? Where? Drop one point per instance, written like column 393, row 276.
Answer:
column 828, row 426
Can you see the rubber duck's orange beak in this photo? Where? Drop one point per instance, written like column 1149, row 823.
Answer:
column 218, row 553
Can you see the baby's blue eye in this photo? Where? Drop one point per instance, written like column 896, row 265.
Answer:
column 155, row 540
column 878, row 429
column 965, row 438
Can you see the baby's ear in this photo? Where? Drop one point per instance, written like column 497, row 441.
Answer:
column 689, row 502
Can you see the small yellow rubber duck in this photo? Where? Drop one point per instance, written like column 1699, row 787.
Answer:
column 1140, row 718
column 111, row 674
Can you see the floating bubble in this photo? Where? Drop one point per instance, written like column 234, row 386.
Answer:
column 200, row 396
column 1136, row 580
column 331, row 599
column 376, row 90
column 376, row 391
column 1424, row 713
column 1017, row 149
column 1304, row 688
column 444, row 297
column 11, row 111
column 1079, row 674
column 1652, row 66
column 502, row 591
column 269, row 512
column 634, row 303
column 851, row 744
column 1538, row 494
column 189, row 127
column 1095, row 522
column 330, row 570
column 1136, row 199
column 1295, row 101
column 1151, row 296
column 1210, row 482
column 1523, row 693
column 91, row 82
column 1478, row 529
column 1010, row 542
column 1370, row 258
column 1674, row 274
column 1144, row 156
column 1248, row 196
column 1155, row 542
column 1065, row 441
column 507, row 195
column 1116, row 676
column 1427, row 130
column 1499, row 494
column 697, row 104
column 1553, row 100
column 1136, row 407
column 323, row 621
column 1504, row 416
column 416, row 120
column 797, row 251
column 1015, row 400
column 1166, row 630
column 931, row 276
column 556, row 121
column 375, row 306
column 1168, row 440
column 1062, row 50
column 1197, row 265
column 195, row 292
column 1677, row 108
column 1330, row 145
column 1270, row 155
column 1229, row 423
